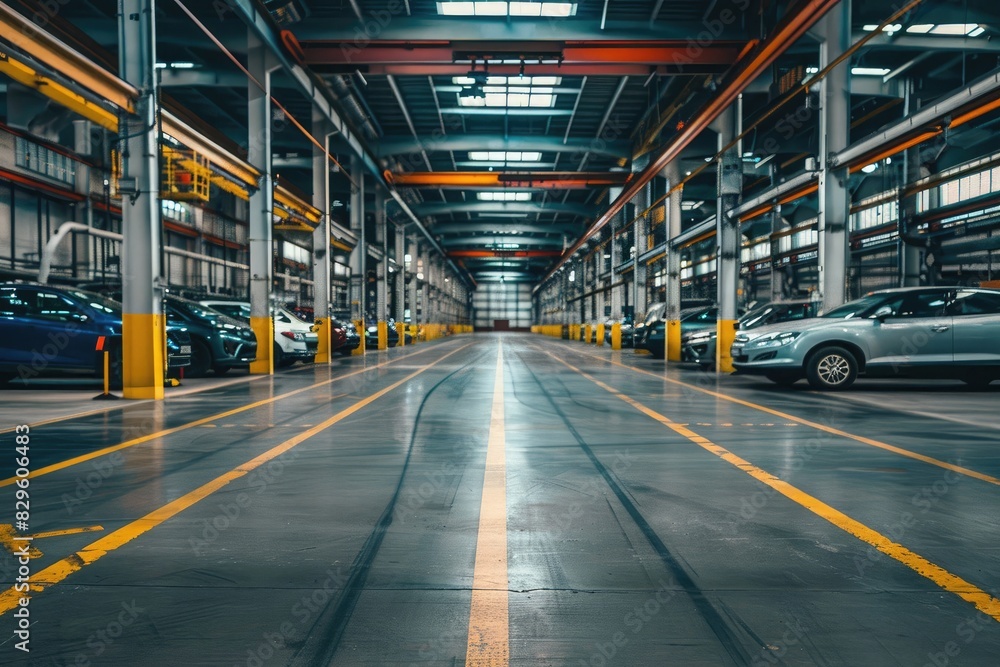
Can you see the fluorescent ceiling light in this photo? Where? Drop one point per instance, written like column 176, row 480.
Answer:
column 505, row 156
column 521, row 9
column 525, row 81
column 977, row 31
column 920, row 28
column 504, row 196
column 954, row 29
column 869, row 71
column 869, row 168
column 691, row 205
column 891, row 28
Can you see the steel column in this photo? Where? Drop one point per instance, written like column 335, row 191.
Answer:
column 834, row 136
column 673, row 292
column 261, row 204
column 400, row 277
column 359, row 256
column 321, row 237
column 617, row 293
column 414, row 283
column 143, row 325
column 382, row 270
column 730, row 185
column 911, row 255
column 639, row 273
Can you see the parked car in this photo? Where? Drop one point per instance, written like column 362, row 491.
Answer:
column 49, row 329
column 944, row 332
column 392, row 336
column 294, row 339
column 344, row 336
column 699, row 346
column 655, row 330
column 627, row 331
column 218, row 342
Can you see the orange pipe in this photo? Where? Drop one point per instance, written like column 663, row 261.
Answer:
column 505, row 254
column 545, row 180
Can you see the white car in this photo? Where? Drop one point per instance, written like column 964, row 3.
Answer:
column 294, row 339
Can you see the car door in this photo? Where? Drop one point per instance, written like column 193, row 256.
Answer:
column 16, row 338
column 976, row 317
column 917, row 332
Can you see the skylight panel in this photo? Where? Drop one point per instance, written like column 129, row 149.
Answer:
column 504, row 196
column 518, row 9
column 505, row 156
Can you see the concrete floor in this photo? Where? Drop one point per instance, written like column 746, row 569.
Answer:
column 653, row 516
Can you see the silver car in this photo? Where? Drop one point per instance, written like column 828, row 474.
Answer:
column 936, row 332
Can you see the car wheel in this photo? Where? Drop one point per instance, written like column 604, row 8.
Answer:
column 201, row 359
column 783, row 379
column 279, row 357
column 832, row 368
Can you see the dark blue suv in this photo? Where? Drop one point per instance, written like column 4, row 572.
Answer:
column 46, row 329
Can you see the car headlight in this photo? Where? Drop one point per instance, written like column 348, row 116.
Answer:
column 777, row 339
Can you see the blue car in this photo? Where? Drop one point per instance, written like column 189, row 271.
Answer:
column 46, row 329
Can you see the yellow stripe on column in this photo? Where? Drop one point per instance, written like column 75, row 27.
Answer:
column 142, row 356
column 726, row 334
column 383, row 335
column 673, row 340
column 401, row 331
column 489, row 637
column 323, row 348
column 263, row 329
column 363, row 332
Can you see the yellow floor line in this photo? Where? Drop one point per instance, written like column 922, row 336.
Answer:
column 952, row 583
column 968, row 472
column 83, row 458
column 489, row 638
column 94, row 551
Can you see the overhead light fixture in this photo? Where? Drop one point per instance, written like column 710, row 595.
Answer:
column 505, row 156
column 870, row 71
column 869, row 168
column 517, row 9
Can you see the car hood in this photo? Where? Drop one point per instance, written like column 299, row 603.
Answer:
column 797, row 325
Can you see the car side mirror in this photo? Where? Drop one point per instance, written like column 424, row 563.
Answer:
column 882, row 313
column 79, row 317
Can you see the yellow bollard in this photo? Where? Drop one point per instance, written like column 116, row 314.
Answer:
column 401, row 332
column 600, row 334
column 360, row 326
column 616, row 336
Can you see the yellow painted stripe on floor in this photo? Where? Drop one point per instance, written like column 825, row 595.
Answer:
column 952, row 583
column 68, row 531
column 83, row 458
column 489, row 637
column 961, row 470
column 94, row 551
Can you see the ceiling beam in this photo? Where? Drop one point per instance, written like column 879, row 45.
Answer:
column 540, row 180
column 497, row 239
column 397, row 145
column 432, row 209
column 445, row 52
column 483, row 28
column 503, row 254
column 544, row 69
column 506, row 227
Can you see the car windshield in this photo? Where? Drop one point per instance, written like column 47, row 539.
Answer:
column 858, row 308
column 98, row 302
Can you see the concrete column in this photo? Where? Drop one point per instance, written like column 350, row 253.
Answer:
column 359, row 256
column 321, row 239
column 834, row 131
column 82, row 145
column 261, row 205
column 400, row 276
column 143, row 325
column 617, row 293
column 911, row 256
column 730, row 185
column 777, row 273
column 639, row 273
column 673, row 222
column 382, row 270
column 414, row 283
